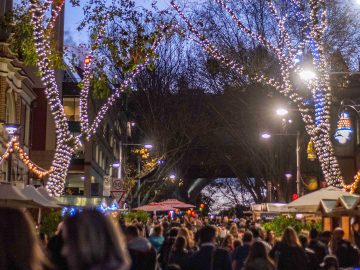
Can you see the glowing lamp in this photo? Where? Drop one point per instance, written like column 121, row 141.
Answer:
column 344, row 129
column 87, row 60
column 282, row 111
column 307, row 75
column 265, row 136
column 202, row 205
column 294, row 196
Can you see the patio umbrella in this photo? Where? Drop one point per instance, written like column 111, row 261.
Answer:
column 11, row 196
column 177, row 204
column 32, row 193
column 151, row 207
column 310, row 202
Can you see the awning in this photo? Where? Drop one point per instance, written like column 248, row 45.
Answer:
column 177, row 204
column 154, row 206
column 31, row 192
column 11, row 196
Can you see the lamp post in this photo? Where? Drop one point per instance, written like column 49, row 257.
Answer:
column 120, row 164
column 267, row 136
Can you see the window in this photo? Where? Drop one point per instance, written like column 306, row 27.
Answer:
column 72, row 108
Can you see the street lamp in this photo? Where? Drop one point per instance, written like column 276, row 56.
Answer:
column 266, row 135
column 307, row 75
column 282, row 111
column 172, row 176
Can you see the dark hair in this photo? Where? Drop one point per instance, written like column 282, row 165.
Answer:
column 19, row 246
column 207, row 234
column 313, row 234
column 158, row 230
column 255, row 231
column 180, row 243
column 237, row 243
column 92, row 240
column 330, row 260
column 173, row 232
column 132, row 230
column 258, row 250
column 303, row 240
column 248, row 236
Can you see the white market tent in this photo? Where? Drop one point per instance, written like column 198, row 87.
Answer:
column 11, row 196
column 309, row 203
column 31, row 192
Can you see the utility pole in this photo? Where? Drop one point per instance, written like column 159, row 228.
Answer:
column 298, row 173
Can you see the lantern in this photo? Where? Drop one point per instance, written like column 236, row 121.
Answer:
column 344, row 129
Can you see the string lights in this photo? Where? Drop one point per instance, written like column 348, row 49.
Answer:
column 289, row 53
column 14, row 145
column 66, row 143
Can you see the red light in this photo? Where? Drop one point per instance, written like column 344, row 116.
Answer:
column 87, row 60
column 202, row 205
column 294, row 197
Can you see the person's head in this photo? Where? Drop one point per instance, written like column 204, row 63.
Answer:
column 180, row 243
column 290, row 237
column 93, row 240
column 173, row 232
column 19, row 246
column 338, row 234
column 172, row 267
column 207, row 234
column 183, row 231
column 325, row 237
column 313, row 234
column 248, row 237
column 140, row 228
column 131, row 232
column 158, row 230
column 234, row 230
column 255, row 231
column 303, row 240
column 237, row 243
column 330, row 263
column 228, row 240
column 257, row 251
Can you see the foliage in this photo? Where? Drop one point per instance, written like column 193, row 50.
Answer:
column 140, row 216
column 280, row 223
column 50, row 222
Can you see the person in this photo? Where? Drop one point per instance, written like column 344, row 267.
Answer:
column 317, row 246
column 143, row 254
column 234, row 231
column 325, row 237
column 54, row 248
column 167, row 246
column 228, row 243
column 241, row 252
column 330, row 263
column 288, row 253
column 258, row 236
column 179, row 254
column 312, row 260
column 208, row 256
column 356, row 232
column 347, row 255
column 19, row 246
column 187, row 233
column 258, row 258
column 93, row 241
column 156, row 238
column 270, row 238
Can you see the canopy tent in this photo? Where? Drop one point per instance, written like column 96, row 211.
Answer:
column 309, row 203
column 177, row 204
column 155, row 206
column 31, row 192
column 11, row 196
column 46, row 194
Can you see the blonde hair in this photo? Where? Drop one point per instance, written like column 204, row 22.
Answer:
column 290, row 237
column 183, row 231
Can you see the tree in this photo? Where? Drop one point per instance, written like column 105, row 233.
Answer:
column 136, row 56
column 293, row 35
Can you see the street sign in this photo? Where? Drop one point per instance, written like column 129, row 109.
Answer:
column 117, row 190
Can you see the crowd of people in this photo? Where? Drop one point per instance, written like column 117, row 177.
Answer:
column 92, row 241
